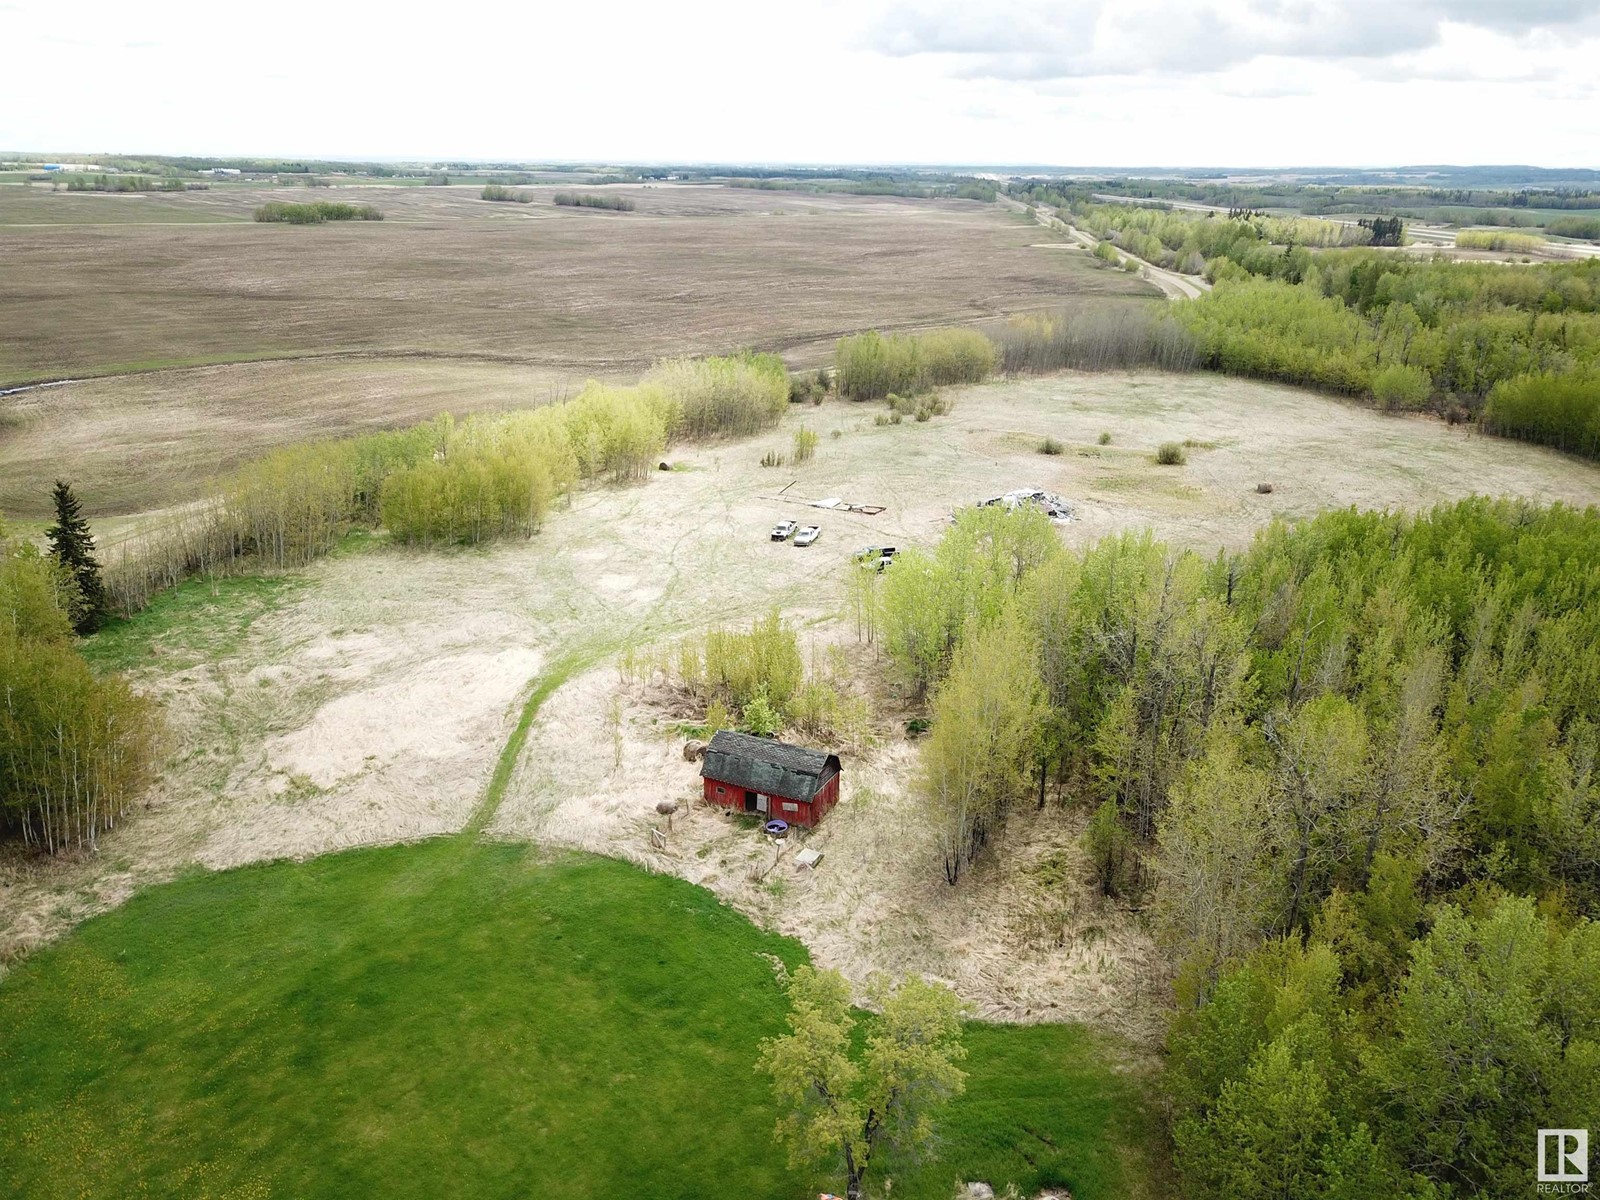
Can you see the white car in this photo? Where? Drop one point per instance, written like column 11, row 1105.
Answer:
column 783, row 531
column 807, row 535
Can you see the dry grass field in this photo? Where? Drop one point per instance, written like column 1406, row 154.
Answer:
column 366, row 700
column 695, row 268
column 451, row 302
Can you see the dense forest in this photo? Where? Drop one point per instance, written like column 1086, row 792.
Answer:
column 1357, row 195
column 1514, row 345
column 1518, row 346
column 1350, row 772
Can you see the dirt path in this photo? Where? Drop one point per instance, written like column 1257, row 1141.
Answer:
column 1173, row 284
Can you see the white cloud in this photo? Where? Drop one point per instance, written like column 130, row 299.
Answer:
column 1136, row 82
column 1040, row 39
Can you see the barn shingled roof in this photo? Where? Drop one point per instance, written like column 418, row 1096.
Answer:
column 764, row 765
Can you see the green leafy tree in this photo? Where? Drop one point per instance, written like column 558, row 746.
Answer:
column 1216, row 898
column 847, row 1106
column 1322, row 755
column 1494, row 1028
column 760, row 717
column 986, row 715
column 72, row 546
column 76, row 748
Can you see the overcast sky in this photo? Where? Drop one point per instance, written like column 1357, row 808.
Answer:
column 1123, row 83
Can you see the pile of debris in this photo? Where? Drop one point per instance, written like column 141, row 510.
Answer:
column 1052, row 505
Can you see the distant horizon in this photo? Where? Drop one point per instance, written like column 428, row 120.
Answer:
column 780, row 164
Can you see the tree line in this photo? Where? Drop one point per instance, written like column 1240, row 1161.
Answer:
column 1190, row 242
column 1351, row 774
column 1499, row 239
column 314, row 213
column 1517, row 346
column 445, row 481
column 80, row 182
column 594, row 200
column 499, row 192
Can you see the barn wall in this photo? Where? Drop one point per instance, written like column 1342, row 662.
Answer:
column 805, row 813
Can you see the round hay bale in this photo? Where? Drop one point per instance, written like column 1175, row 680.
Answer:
column 693, row 749
column 666, row 807
column 664, row 467
column 1264, row 489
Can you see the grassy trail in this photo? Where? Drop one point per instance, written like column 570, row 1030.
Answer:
column 543, row 686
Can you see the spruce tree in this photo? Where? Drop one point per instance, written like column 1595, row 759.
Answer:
column 72, row 546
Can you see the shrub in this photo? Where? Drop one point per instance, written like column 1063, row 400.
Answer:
column 718, row 717
column 808, row 387
column 1171, row 454
column 1111, row 851
column 76, row 748
column 805, row 445
column 499, row 192
column 590, row 200
column 1050, row 446
column 315, row 213
column 951, row 356
column 1401, row 386
column 1105, row 438
column 733, row 396
column 760, row 718
column 1554, row 409
column 1575, row 227
column 619, row 432
column 1096, row 339
column 772, row 459
column 870, row 366
column 1496, row 239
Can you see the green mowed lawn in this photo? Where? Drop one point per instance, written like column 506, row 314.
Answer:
column 456, row 1018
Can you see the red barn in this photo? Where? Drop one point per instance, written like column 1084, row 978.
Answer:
column 760, row 775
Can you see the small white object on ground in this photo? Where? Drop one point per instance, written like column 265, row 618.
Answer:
column 808, row 857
